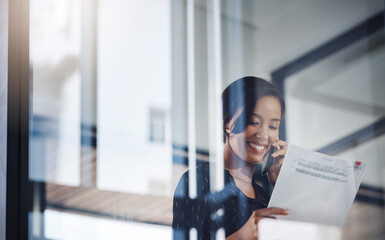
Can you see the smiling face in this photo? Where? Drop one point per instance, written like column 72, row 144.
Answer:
column 261, row 132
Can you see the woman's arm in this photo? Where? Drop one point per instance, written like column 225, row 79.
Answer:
column 181, row 209
column 250, row 229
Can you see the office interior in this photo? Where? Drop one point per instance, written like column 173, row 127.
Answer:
column 122, row 96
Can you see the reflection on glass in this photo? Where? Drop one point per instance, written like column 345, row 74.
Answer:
column 134, row 79
column 55, row 52
column 129, row 175
column 119, row 155
column 339, row 104
column 343, row 92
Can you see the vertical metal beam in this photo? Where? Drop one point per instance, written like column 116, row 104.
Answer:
column 215, row 88
column 3, row 112
column 220, row 180
column 191, row 98
column 17, row 195
column 88, row 68
column 179, row 83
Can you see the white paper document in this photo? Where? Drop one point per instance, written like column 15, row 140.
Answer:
column 316, row 187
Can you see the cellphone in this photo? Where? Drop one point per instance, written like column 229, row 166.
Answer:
column 268, row 161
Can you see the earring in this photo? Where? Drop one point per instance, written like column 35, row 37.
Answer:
column 228, row 131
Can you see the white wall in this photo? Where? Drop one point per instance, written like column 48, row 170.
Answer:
column 133, row 77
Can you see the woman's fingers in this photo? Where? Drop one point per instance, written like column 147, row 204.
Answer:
column 281, row 148
column 280, row 144
column 277, row 153
column 250, row 229
column 267, row 212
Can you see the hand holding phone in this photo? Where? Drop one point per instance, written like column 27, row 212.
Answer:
column 273, row 160
column 268, row 161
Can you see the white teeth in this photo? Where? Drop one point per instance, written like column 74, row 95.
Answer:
column 257, row 146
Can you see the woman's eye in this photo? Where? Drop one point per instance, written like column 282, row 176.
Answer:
column 274, row 127
column 254, row 123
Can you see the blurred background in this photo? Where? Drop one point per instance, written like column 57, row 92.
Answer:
column 122, row 89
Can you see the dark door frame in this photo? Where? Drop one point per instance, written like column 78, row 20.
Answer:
column 3, row 112
column 14, row 117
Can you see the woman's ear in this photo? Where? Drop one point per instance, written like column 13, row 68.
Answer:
column 228, row 131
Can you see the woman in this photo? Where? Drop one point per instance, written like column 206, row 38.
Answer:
column 252, row 110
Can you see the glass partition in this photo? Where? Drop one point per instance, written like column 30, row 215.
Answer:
column 55, row 53
column 126, row 98
column 342, row 93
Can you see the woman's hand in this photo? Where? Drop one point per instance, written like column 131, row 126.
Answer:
column 249, row 231
column 279, row 156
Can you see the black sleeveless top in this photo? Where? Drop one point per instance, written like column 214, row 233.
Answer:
column 228, row 209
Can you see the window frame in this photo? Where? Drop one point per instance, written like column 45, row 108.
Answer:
column 15, row 82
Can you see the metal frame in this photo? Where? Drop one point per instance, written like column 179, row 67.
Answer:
column 360, row 136
column 18, row 80
column 3, row 113
column 362, row 30
column 88, row 69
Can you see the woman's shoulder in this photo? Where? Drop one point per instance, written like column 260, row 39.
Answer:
column 202, row 170
column 202, row 177
column 202, row 173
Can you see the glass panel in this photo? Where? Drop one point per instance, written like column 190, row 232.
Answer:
column 337, row 104
column 134, row 78
column 342, row 93
column 55, row 52
column 55, row 126
column 126, row 98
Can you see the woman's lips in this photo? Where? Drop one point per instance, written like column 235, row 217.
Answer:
column 257, row 147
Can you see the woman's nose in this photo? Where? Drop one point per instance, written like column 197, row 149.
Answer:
column 262, row 132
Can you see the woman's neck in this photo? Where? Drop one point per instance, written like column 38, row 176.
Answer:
column 237, row 167
column 241, row 171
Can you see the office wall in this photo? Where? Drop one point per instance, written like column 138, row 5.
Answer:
column 134, row 85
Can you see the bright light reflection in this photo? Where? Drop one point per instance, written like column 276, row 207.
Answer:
column 60, row 225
